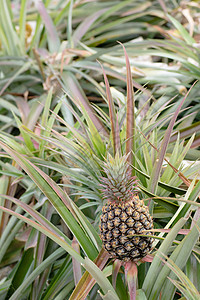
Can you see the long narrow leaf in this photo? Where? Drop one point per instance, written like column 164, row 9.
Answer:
column 52, row 36
column 35, row 273
column 156, row 170
column 54, row 194
column 130, row 114
column 180, row 256
column 156, row 266
column 87, row 281
column 113, row 117
column 87, row 263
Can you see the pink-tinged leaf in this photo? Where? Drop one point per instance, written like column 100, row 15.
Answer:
column 92, row 66
column 116, row 267
column 35, row 215
column 163, row 5
column 35, row 112
column 17, row 180
column 117, row 135
column 76, row 265
column 4, row 187
column 186, row 132
column 24, row 109
column 195, row 218
column 77, row 95
column 130, row 113
column 147, row 258
column 11, row 190
column 57, row 239
column 180, row 174
column 32, row 241
column 85, row 25
column 185, row 281
column 87, row 281
column 40, row 282
column 181, row 231
column 131, row 278
column 158, row 164
column 52, row 35
column 57, row 197
column 196, row 142
column 113, row 118
column 29, row 236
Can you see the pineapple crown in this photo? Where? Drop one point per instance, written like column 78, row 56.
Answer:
column 118, row 184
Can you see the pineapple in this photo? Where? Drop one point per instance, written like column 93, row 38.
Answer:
column 124, row 216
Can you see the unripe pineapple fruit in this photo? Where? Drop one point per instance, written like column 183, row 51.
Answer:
column 124, row 218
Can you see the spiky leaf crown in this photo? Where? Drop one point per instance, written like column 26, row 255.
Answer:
column 118, row 184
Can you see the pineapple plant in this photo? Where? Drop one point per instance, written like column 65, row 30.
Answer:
column 125, row 219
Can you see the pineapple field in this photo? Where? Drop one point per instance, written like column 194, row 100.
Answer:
column 100, row 150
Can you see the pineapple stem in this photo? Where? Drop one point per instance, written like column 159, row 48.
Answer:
column 131, row 278
column 116, row 267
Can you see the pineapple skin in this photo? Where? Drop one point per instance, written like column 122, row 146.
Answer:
column 121, row 224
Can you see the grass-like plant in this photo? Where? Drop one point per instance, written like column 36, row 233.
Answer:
column 75, row 153
column 60, row 120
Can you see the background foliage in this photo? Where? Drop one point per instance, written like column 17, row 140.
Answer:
column 59, row 118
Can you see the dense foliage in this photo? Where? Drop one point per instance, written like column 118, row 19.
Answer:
column 71, row 95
